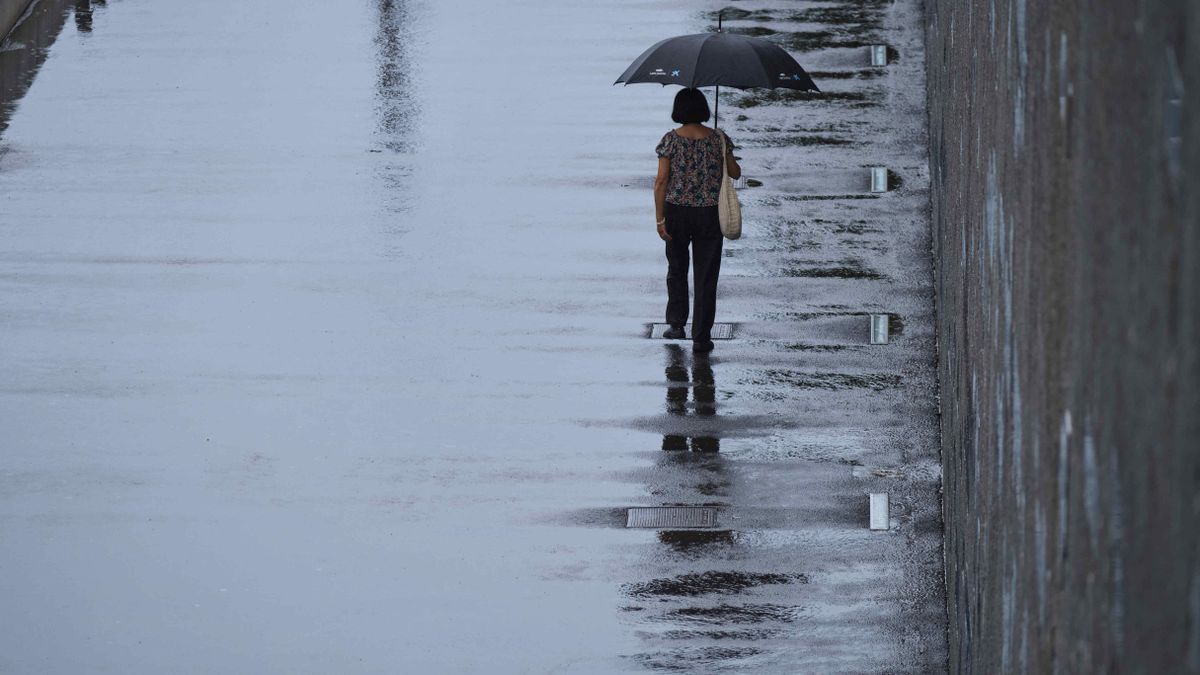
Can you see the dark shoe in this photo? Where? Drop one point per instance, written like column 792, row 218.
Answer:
column 702, row 346
column 673, row 443
column 674, row 333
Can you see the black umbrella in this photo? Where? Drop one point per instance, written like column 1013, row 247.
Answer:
column 718, row 59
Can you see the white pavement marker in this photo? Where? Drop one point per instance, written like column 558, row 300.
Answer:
column 879, row 329
column 879, row 55
column 879, row 511
column 879, row 179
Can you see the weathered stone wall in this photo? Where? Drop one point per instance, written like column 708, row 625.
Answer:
column 1065, row 158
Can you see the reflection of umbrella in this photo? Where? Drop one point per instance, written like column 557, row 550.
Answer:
column 716, row 59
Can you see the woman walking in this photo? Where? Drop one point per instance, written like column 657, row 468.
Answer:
column 685, row 205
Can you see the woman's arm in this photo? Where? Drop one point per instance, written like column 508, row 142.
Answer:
column 731, row 165
column 660, row 196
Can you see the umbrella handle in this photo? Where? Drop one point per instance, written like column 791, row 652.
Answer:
column 717, row 96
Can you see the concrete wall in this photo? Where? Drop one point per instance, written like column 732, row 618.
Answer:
column 1065, row 200
column 10, row 11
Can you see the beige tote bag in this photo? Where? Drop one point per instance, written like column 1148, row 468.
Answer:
column 728, row 207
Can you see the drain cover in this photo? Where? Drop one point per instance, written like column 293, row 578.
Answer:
column 672, row 517
column 720, row 331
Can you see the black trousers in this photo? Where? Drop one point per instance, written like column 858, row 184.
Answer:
column 699, row 227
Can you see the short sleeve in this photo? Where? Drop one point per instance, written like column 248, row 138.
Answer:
column 730, row 146
column 664, row 146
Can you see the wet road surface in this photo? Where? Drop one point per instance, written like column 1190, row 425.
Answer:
column 325, row 347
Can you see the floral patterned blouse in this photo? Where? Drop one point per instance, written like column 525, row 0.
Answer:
column 695, row 168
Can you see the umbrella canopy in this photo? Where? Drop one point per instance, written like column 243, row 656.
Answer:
column 718, row 59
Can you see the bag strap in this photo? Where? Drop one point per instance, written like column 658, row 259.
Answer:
column 724, row 156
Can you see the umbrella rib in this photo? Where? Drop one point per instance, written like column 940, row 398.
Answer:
column 747, row 45
column 762, row 63
column 699, row 54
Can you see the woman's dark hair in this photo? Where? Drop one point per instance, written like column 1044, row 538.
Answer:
column 690, row 107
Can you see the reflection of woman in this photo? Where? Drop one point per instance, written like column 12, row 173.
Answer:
column 685, row 206
column 704, row 393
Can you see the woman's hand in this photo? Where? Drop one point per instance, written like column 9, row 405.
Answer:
column 660, row 196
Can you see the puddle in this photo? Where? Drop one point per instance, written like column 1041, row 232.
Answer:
column 615, row 517
column 797, row 140
column 705, row 583
column 855, row 227
column 845, row 329
column 712, row 488
column 860, row 245
column 863, row 15
column 846, row 59
column 739, row 14
column 689, row 660
column 733, row 614
column 702, row 385
column 752, row 634
column 807, row 198
column 827, row 128
column 854, row 99
column 676, row 443
column 829, row 381
column 696, row 542
column 798, row 347
column 864, row 74
column 811, row 40
column 701, row 471
column 807, row 316
column 831, row 184
column 846, row 269
column 825, row 28
column 751, row 31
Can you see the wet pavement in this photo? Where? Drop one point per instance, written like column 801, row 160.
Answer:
column 326, row 347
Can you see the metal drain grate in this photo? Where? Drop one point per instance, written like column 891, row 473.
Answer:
column 672, row 517
column 720, row 331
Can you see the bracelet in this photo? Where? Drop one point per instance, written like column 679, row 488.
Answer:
column 663, row 221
